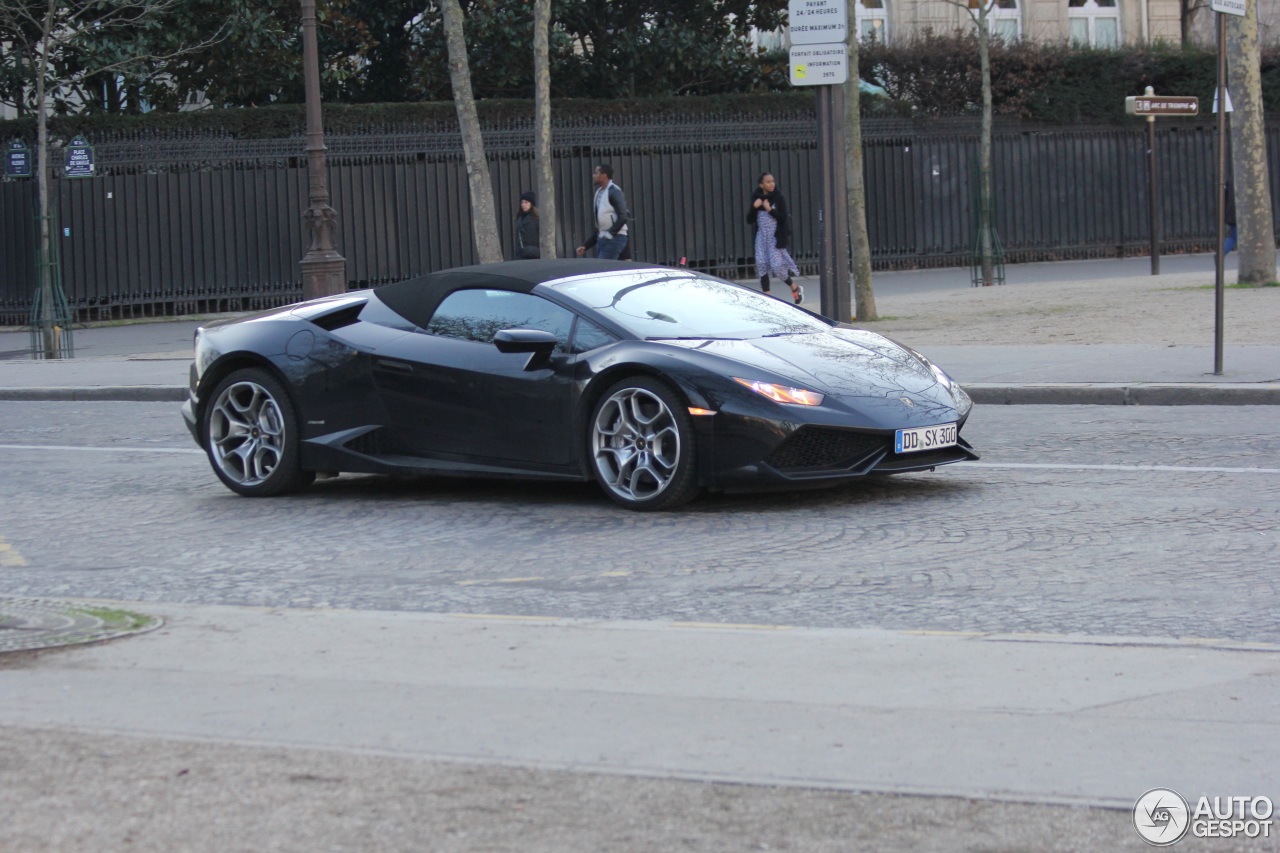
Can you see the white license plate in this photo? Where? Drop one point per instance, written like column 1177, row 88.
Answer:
column 924, row 438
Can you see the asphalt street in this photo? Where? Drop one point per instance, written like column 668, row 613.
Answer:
column 1028, row 540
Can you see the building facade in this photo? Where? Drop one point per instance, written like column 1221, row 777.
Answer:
column 1096, row 23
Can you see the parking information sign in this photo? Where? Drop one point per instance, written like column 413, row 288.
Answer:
column 79, row 159
column 819, row 64
column 17, row 160
column 1229, row 7
column 819, row 21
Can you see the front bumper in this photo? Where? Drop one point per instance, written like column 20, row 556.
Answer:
column 191, row 408
column 791, row 455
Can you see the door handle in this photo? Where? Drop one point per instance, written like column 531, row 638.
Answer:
column 393, row 366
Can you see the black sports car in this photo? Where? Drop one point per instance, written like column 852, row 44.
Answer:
column 654, row 381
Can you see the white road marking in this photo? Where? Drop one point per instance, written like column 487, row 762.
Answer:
column 1037, row 466
column 100, row 449
column 1179, row 469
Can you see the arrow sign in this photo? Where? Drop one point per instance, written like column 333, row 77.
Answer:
column 1161, row 105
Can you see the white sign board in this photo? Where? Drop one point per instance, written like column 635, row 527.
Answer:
column 822, row 21
column 819, row 64
column 1229, row 7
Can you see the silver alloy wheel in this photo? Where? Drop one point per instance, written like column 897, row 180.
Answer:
column 636, row 444
column 246, row 433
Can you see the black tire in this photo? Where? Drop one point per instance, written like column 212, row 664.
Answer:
column 640, row 445
column 251, row 436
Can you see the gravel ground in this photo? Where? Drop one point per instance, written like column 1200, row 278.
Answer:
column 1166, row 309
column 111, row 793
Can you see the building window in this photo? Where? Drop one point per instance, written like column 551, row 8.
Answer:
column 1094, row 23
column 1005, row 20
column 873, row 20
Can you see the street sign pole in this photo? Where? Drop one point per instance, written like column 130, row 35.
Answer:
column 1153, row 194
column 1152, row 105
column 1238, row 8
column 1153, row 191
column 1219, row 286
column 833, row 248
column 820, row 57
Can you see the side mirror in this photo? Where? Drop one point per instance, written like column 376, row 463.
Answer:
column 536, row 342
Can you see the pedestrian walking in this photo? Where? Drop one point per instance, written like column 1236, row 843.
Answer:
column 610, row 214
column 772, row 221
column 527, row 228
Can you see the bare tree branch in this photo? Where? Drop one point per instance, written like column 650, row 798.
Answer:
column 63, row 28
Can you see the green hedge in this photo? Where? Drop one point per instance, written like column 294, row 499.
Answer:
column 934, row 76
column 1048, row 84
column 275, row 122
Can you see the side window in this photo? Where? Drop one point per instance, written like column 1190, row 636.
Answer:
column 588, row 336
column 477, row 315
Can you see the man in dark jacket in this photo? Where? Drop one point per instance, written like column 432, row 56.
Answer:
column 610, row 215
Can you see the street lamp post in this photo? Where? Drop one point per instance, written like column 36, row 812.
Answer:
column 324, row 270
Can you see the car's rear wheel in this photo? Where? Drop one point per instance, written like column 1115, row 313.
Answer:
column 641, row 445
column 251, row 435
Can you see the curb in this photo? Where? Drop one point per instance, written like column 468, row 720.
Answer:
column 1128, row 394
column 1041, row 394
column 115, row 393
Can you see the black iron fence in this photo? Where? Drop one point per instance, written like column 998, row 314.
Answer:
column 199, row 224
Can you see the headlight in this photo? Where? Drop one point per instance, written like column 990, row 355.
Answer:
column 963, row 403
column 783, row 393
column 941, row 375
column 938, row 373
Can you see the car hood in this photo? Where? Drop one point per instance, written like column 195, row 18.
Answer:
column 844, row 363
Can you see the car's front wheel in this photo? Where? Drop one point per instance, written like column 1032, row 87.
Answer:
column 641, row 445
column 251, row 435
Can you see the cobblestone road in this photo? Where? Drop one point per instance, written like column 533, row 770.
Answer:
column 105, row 500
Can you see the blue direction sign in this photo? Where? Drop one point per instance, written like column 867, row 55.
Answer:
column 79, row 159
column 17, row 160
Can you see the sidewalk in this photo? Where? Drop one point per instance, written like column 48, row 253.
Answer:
column 1134, row 339
column 263, row 729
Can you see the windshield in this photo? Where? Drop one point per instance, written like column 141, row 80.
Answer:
column 667, row 304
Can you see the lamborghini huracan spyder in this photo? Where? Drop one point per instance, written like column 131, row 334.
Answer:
column 655, row 382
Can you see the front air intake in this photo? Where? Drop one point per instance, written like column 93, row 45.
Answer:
column 817, row 448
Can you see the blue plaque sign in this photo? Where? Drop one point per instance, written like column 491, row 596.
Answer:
column 17, row 160
column 79, row 159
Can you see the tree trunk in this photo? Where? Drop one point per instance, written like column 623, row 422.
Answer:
column 1255, row 227
column 864, row 299
column 484, row 222
column 547, row 236
column 984, row 165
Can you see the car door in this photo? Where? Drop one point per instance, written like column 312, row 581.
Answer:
column 450, row 392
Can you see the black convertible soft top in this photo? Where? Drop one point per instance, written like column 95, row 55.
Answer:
column 416, row 299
